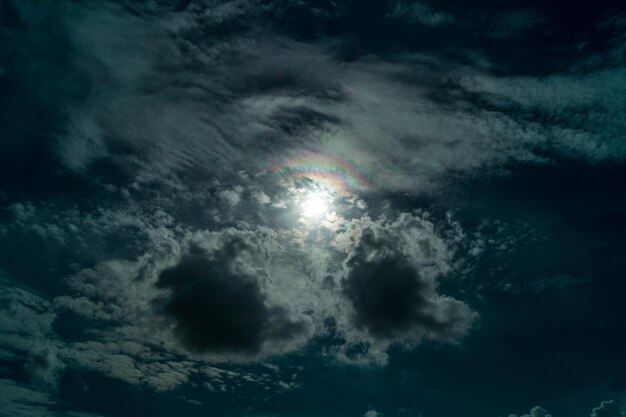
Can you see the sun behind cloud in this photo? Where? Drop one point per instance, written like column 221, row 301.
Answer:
column 316, row 204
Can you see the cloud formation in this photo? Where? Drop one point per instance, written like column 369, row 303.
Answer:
column 146, row 233
column 218, row 309
column 392, row 300
column 409, row 121
column 607, row 409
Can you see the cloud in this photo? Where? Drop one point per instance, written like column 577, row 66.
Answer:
column 231, row 197
column 261, row 197
column 392, row 300
column 22, row 401
column 183, row 298
column 535, row 412
column 407, row 120
column 180, row 255
column 514, row 23
column 44, row 366
column 17, row 400
column 176, row 104
column 607, row 409
column 218, row 309
column 26, row 326
column 418, row 12
column 582, row 122
column 386, row 291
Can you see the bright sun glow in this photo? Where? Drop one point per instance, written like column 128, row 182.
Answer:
column 315, row 205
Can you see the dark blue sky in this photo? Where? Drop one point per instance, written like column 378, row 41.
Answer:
column 257, row 208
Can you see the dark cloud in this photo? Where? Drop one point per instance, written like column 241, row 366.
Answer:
column 220, row 310
column 391, row 298
column 387, row 295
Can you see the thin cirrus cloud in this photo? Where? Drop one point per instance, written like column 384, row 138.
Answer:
column 153, row 119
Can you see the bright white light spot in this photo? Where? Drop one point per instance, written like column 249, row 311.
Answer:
column 315, row 205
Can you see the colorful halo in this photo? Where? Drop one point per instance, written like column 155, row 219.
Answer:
column 328, row 170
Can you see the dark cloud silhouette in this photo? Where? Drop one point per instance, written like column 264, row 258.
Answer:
column 391, row 298
column 218, row 309
column 387, row 295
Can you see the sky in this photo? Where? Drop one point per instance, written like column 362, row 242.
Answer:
column 299, row 208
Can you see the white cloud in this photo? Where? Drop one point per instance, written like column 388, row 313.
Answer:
column 261, row 197
column 231, row 196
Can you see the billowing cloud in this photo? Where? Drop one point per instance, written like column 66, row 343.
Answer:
column 388, row 288
column 607, row 409
column 392, row 300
